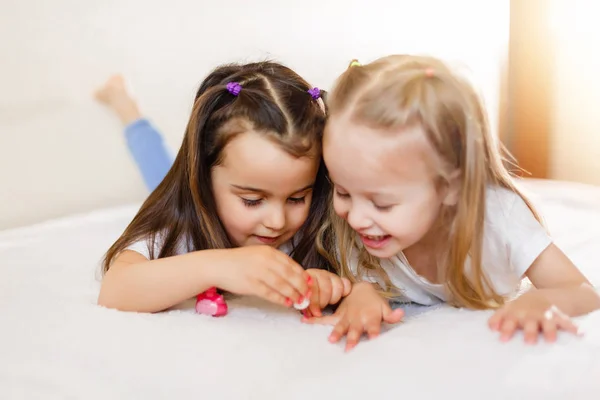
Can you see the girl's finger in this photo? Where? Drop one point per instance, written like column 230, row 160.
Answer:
column 347, row 287
column 392, row 316
column 287, row 265
column 531, row 330
column 353, row 336
column 279, row 284
column 339, row 330
column 373, row 328
column 566, row 324
column 314, row 307
column 269, row 294
column 507, row 329
column 549, row 328
column 337, row 290
column 293, row 275
column 325, row 291
column 495, row 320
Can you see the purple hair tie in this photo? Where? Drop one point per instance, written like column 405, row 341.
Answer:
column 315, row 93
column 234, row 88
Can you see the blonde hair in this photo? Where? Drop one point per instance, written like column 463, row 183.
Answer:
column 400, row 91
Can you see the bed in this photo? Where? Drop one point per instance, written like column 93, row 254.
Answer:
column 56, row 343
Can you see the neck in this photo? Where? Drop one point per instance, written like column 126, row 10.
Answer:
column 427, row 255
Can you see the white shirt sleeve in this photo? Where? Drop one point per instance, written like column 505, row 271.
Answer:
column 142, row 247
column 525, row 236
column 513, row 239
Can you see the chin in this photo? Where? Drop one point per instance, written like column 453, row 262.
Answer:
column 385, row 252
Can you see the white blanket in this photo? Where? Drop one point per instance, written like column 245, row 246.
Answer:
column 55, row 343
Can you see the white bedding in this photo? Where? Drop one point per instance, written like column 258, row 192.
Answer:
column 55, row 343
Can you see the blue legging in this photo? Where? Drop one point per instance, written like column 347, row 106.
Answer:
column 148, row 149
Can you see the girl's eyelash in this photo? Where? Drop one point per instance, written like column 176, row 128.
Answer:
column 251, row 203
column 254, row 203
column 346, row 195
column 297, row 200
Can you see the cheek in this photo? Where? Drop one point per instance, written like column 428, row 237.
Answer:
column 234, row 215
column 413, row 220
column 297, row 215
column 340, row 207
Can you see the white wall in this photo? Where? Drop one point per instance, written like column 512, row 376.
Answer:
column 62, row 153
column 575, row 144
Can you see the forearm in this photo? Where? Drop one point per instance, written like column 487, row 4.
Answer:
column 573, row 300
column 152, row 286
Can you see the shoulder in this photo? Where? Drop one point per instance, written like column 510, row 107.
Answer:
column 500, row 202
column 150, row 247
column 513, row 236
column 507, row 208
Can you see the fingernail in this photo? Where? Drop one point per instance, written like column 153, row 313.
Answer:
column 300, row 300
column 309, row 280
column 288, row 302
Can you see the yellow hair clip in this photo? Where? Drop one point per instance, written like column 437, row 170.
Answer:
column 355, row 63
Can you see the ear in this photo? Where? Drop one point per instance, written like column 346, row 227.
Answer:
column 453, row 188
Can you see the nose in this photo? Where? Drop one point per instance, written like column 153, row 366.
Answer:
column 357, row 218
column 275, row 219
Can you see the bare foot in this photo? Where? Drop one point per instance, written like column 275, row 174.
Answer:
column 115, row 95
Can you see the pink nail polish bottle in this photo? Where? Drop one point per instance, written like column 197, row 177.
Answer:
column 211, row 303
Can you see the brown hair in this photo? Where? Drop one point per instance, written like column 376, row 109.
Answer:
column 400, row 91
column 274, row 100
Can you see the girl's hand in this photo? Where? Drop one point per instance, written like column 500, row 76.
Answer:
column 533, row 313
column 265, row 272
column 326, row 288
column 362, row 311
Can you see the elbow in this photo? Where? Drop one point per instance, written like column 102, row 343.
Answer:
column 110, row 293
column 108, row 299
column 119, row 295
column 593, row 293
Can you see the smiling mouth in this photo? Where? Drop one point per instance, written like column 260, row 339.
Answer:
column 378, row 237
column 375, row 241
column 268, row 239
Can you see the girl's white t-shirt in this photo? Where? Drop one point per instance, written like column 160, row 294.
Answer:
column 512, row 241
column 183, row 247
